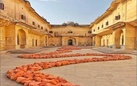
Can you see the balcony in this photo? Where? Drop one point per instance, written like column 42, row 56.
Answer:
column 67, row 34
column 77, row 35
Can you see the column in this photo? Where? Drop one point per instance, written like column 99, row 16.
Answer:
column 97, row 41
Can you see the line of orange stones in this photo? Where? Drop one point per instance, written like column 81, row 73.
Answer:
column 56, row 54
column 28, row 75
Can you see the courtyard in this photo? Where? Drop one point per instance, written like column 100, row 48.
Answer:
column 105, row 73
column 68, row 43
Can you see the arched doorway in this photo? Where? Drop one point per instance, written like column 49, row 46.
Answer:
column 122, row 40
column 70, row 42
column 119, row 39
column 36, row 42
column 21, row 38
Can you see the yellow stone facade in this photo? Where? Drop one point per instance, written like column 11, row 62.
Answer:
column 70, row 34
column 21, row 27
column 117, row 27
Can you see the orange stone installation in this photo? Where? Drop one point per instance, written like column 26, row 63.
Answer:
column 21, row 27
column 28, row 75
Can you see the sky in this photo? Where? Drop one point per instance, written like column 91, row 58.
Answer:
column 80, row 11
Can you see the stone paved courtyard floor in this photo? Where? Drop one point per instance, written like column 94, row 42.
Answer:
column 110, row 73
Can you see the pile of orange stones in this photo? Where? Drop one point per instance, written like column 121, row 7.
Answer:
column 28, row 75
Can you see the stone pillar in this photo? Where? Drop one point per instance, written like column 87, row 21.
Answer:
column 10, row 42
column 63, row 41
column 76, row 41
column 113, row 39
column 93, row 40
column 97, row 41
column 47, row 40
column 2, row 38
column 130, row 40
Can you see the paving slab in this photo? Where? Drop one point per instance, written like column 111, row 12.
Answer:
column 110, row 73
column 115, row 51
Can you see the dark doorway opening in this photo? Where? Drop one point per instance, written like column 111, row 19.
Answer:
column 36, row 42
column 122, row 40
column 32, row 42
column 70, row 42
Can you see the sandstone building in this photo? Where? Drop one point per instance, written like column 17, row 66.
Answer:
column 117, row 27
column 21, row 27
column 71, row 33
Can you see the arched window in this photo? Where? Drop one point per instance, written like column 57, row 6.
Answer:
column 98, row 28
column 46, row 30
column 50, row 31
column 41, row 27
column 102, row 25
column 70, row 31
column 89, row 31
column 36, row 42
column 122, row 40
column 1, row 6
column 107, row 23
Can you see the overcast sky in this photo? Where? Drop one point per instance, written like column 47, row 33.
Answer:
column 80, row 11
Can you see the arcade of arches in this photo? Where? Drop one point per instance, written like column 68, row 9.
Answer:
column 122, row 38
